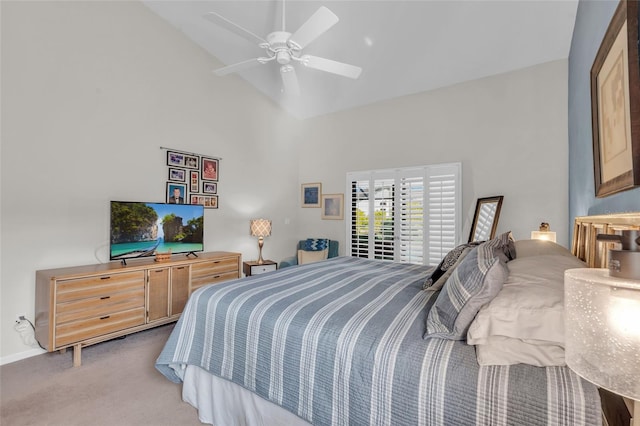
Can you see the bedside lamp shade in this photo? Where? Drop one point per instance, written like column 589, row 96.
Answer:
column 544, row 233
column 602, row 330
column 260, row 228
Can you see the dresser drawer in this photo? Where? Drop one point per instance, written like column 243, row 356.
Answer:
column 212, row 267
column 213, row 279
column 214, row 271
column 98, row 286
column 76, row 331
column 98, row 306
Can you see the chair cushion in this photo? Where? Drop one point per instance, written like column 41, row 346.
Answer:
column 305, row 256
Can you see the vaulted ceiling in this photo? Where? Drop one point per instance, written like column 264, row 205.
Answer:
column 403, row 47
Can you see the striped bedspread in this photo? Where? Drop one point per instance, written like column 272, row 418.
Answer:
column 340, row 342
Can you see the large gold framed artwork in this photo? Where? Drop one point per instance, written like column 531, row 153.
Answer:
column 615, row 104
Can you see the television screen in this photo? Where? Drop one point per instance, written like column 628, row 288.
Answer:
column 140, row 229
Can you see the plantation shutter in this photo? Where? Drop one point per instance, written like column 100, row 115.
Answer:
column 372, row 216
column 405, row 215
column 442, row 195
column 359, row 233
column 411, row 219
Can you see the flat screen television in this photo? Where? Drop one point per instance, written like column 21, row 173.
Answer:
column 139, row 229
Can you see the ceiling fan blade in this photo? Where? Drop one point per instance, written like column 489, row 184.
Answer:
column 233, row 27
column 290, row 80
column 240, row 66
column 316, row 25
column 333, row 67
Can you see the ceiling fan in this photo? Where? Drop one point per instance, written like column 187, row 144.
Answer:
column 286, row 48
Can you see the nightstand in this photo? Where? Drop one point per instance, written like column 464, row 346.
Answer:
column 252, row 268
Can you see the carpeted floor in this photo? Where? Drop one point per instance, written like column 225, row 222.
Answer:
column 117, row 384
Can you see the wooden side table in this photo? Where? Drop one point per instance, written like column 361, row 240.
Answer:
column 253, row 268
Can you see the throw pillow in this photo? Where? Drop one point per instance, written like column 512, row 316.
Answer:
column 447, row 265
column 305, row 256
column 507, row 244
column 316, row 244
column 474, row 283
column 435, row 286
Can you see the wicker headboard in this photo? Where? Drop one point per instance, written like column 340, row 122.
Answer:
column 585, row 229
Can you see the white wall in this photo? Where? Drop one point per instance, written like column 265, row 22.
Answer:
column 509, row 131
column 90, row 91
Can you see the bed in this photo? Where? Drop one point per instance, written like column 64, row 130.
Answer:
column 362, row 342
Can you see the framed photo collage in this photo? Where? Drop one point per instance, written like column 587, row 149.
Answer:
column 192, row 179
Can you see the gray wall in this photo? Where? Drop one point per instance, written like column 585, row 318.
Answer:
column 592, row 20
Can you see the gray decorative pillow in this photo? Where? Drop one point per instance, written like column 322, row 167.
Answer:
column 508, row 245
column 447, row 265
column 475, row 282
column 444, row 277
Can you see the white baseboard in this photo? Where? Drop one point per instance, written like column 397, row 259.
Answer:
column 21, row 355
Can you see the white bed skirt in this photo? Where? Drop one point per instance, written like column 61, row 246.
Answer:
column 222, row 403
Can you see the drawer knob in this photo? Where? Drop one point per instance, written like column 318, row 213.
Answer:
column 216, row 276
column 102, row 318
column 105, row 277
column 105, row 297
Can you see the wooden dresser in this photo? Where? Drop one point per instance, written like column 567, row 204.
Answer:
column 83, row 305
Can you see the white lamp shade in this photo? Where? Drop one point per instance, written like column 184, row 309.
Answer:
column 543, row 235
column 602, row 329
column 260, row 227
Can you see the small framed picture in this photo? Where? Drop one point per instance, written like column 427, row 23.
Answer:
column 177, row 175
column 175, row 159
column 176, row 193
column 209, row 187
column 192, row 161
column 208, row 201
column 194, row 181
column 311, row 193
column 211, row 202
column 333, row 206
column 210, row 170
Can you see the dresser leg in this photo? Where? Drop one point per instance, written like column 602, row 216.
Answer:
column 77, row 360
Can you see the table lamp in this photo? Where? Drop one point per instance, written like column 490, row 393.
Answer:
column 260, row 228
column 544, row 233
column 602, row 331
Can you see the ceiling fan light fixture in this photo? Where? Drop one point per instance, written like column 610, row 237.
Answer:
column 283, row 57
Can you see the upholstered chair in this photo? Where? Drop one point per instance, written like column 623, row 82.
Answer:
column 311, row 250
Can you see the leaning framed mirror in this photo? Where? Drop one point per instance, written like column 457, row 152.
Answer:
column 485, row 219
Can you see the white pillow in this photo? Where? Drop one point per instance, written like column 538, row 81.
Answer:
column 530, row 306
column 526, row 248
column 499, row 350
column 305, row 256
